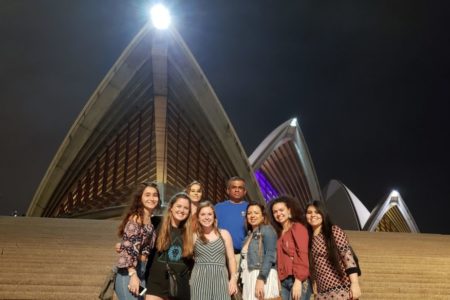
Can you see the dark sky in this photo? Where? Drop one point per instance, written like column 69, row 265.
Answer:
column 368, row 80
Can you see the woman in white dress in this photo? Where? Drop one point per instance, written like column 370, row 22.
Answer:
column 258, row 257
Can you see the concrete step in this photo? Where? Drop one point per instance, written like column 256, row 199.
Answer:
column 69, row 259
column 67, row 280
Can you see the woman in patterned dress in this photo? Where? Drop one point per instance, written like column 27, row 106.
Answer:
column 138, row 239
column 331, row 262
column 212, row 247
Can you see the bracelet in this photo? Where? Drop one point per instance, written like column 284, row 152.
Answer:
column 131, row 273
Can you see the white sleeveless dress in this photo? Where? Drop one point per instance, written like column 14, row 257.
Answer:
column 271, row 288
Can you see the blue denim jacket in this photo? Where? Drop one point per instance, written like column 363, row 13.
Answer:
column 268, row 258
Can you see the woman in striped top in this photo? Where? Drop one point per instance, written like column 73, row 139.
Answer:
column 212, row 247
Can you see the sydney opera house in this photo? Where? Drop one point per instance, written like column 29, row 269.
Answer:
column 155, row 116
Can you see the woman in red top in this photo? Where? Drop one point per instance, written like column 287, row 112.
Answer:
column 292, row 248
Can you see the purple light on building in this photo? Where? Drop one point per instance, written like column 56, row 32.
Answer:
column 268, row 191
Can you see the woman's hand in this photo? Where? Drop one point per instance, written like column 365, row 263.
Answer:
column 355, row 290
column 117, row 247
column 133, row 284
column 296, row 289
column 259, row 289
column 232, row 286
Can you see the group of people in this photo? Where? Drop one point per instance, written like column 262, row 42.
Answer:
column 273, row 251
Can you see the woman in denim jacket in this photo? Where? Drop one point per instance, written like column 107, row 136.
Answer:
column 258, row 263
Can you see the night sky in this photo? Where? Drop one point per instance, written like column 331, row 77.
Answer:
column 368, row 80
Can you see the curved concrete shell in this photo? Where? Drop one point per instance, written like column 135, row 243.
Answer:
column 345, row 208
column 391, row 215
column 154, row 116
column 283, row 165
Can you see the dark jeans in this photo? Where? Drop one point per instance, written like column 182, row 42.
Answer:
column 286, row 289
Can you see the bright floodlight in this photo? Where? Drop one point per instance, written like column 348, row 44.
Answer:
column 293, row 122
column 160, row 16
column 394, row 193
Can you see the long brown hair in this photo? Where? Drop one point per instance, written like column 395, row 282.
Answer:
column 200, row 232
column 163, row 241
column 136, row 208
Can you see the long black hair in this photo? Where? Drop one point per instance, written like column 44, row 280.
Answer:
column 327, row 231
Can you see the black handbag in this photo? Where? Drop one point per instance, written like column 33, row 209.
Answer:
column 173, row 282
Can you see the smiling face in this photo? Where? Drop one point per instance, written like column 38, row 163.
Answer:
column 150, row 198
column 255, row 216
column 281, row 212
column 313, row 217
column 195, row 192
column 179, row 211
column 206, row 217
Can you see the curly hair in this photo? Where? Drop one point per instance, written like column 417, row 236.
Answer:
column 136, row 208
column 297, row 213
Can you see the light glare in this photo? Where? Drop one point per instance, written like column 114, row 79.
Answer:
column 394, row 193
column 293, row 122
column 160, row 16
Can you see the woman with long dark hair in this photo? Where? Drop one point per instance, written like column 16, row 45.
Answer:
column 332, row 265
column 174, row 247
column 292, row 248
column 138, row 239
